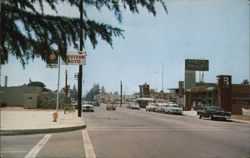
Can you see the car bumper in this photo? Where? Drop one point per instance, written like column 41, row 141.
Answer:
column 221, row 116
column 87, row 109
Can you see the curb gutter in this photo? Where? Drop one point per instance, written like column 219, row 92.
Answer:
column 39, row 131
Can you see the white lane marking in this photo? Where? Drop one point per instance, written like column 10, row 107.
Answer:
column 89, row 151
column 165, row 129
column 35, row 150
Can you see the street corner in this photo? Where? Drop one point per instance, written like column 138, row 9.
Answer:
column 36, row 122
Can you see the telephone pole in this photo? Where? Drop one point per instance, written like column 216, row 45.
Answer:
column 79, row 103
column 121, row 96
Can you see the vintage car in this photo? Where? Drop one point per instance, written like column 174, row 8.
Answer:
column 161, row 107
column 151, row 107
column 87, row 107
column 214, row 112
column 173, row 108
column 134, row 106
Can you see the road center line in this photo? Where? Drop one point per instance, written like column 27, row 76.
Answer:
column 89, row 151
column 33, row 153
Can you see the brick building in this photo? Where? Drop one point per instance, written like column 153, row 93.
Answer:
column 232, row 97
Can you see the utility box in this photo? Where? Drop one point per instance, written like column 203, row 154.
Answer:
column 30, row 101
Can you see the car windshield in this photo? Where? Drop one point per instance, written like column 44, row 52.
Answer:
column 176, row 106
column 216, row 109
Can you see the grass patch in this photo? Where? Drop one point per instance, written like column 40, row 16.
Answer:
column 241, row 117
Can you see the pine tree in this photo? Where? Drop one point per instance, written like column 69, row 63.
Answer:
column 27, row 32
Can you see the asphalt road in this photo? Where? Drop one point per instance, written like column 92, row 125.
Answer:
column 133, row 133
column 130, row 133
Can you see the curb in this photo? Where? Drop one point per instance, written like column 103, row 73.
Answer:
column 39, row 131
column 240, row 121
column 232, row 120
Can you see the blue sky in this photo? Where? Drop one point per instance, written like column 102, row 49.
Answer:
column 216, row 30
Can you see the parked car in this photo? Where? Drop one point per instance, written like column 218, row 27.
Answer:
column 151, row 107
column 110, row 107
column 129, row 105
column 214, row 112
column 87, row 108
column 173, row 108
column 160, row 107
column 135, row 106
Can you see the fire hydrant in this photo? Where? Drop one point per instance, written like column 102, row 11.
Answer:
column 54, row 116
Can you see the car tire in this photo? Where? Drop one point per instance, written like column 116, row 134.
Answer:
column 200, row 117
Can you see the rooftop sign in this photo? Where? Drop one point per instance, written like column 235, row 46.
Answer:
column 196, row 65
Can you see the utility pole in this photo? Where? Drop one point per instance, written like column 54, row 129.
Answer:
column 121, row 96
column 79, row 103
column 0, row 70
column 162, row 82
column 162, row 76
column 1, row 1
column 66, row 91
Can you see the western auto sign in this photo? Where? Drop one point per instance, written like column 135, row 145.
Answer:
column 76, row 58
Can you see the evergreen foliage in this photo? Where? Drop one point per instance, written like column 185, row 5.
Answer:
column 95, row 90
column 46, row 101
column 27, row 32
column 36, row 84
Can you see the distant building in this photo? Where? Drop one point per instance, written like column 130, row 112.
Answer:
column 232, row 97
column 113, row 98
column 144, row 97
column 23, row 96
column 144, row 90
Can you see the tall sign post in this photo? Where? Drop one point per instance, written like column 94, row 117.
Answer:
column 79, row 103
column 191, row 66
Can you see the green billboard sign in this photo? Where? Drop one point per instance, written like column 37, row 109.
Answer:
column 196, row 65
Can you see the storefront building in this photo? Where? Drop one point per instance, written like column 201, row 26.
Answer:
column 231, row 97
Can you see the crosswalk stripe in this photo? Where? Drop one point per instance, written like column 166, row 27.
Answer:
column 35, row 150
column 89, row 151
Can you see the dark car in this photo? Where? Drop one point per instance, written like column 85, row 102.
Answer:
column 214, row 112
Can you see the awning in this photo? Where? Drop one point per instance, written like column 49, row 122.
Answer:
column 144, row 99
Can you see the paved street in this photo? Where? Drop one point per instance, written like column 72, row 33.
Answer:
column 132, row 133
column 136, row 133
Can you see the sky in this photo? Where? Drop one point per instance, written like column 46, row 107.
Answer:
column 216, row 30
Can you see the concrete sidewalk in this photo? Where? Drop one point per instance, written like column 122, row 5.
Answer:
column 17, row 121
column 190, row 113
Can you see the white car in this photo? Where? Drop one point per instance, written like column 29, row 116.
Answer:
column 173, row 108
column 160, row 107
column 151, row 107
column 135, row 106
column 87, row 107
